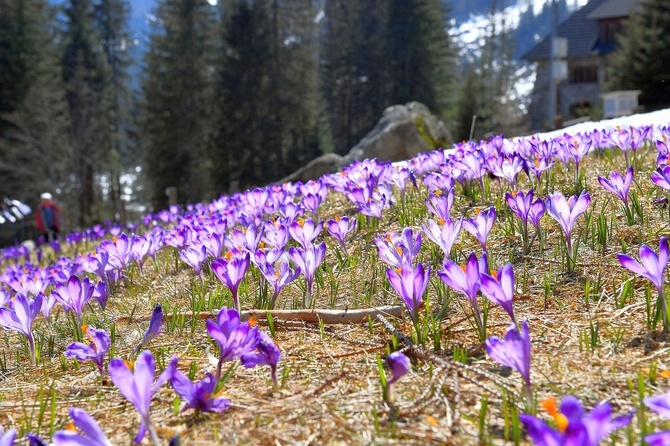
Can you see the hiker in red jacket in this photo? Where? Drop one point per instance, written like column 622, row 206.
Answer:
column 48, row 217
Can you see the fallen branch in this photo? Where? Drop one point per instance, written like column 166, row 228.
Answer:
column 311, row 316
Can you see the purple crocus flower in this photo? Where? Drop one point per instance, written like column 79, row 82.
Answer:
column 275, row 234
column 661, row 405
column 444, row 234
column 523, row 206
column 198, row 395
column 305, row 231
column 98, row 264
column 661, row 438
column 100, row 294
column 399, row 365
column 308, row 260
column 514, row 350
column 397, row 250
column 389, row 253
column 481, row 225
column 278, row 275
column 661, row 177
column 194, row 256
column 499, row 288
column 20, row 317
column 120, row 251
column 95, row 349
column 5, row 297
column 575, row 427
column 7, row 438
column 652, row 266
column 536, row 212
column 509, row 169
column 566, row 212
column 74, row 295
column 230, row 271
column 267, row 353
column 35, row 440
column 339, row 228
column 154, row 329
column 520, row 203
column 94, row 436
column 139, row 387
column 465, row 279
column 48, row 303
column 618, row 184
column 440, row 203
column 235, row 338
column 410, row 284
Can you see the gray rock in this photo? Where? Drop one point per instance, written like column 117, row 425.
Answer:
column 403, row 132
column 315, row 169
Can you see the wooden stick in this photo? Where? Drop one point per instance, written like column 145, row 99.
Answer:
column 312, row 316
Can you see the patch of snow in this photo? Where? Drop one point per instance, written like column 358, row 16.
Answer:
column 657, row 118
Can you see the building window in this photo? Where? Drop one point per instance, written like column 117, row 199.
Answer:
column 608, row 30
column 583, row 75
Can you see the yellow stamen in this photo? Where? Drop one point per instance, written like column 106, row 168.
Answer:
column 129, row 364
column 438, row 192
column 71, row 427
column 337, row 219
column 229, row 255
column 440, row 221
column 549, row 404
column 494, row 274
column 464, row 268
column 252, row 320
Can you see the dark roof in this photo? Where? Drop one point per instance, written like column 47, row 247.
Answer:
column 579, row 29
column 614, row 9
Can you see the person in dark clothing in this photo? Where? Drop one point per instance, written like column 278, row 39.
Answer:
column 48, row 217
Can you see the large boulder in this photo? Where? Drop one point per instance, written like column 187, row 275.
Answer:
column 403, row 132
column 315, row 169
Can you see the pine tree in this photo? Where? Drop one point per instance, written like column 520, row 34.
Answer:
column 642, row 61
column 176, row 107
column 247, row 95
column 33, row 141
column 420, row 53
column 379, row 53
column 111, row 22
column 83, row 74
column 353, row 78
column 295, row 42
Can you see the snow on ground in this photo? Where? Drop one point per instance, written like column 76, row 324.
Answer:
column 661, row 117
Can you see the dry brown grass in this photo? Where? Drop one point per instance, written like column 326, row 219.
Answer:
column 331, row 392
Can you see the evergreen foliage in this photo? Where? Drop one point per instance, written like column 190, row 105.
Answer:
column 642, row 61
column 380, row 53
column 33, row 109
column 111, row 20
column 176, row 105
